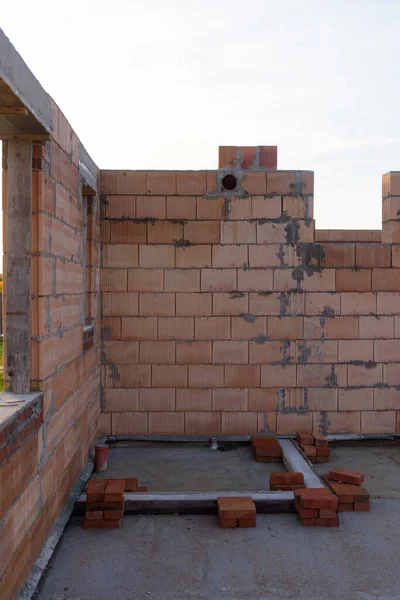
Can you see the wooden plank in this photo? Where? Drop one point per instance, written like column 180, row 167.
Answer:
column 13, row 110
column 18, row 287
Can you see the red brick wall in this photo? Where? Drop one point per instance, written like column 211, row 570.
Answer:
column 224, row 313
column 56, row 451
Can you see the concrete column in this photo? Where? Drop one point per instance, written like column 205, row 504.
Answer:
column 19, row 276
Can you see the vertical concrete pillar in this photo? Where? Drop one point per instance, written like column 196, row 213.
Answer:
column 19, row 277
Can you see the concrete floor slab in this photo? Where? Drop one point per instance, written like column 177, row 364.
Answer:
column 379, row 461
column 190, row 558
column 171, row 467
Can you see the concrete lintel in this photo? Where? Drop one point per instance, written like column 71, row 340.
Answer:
column 12, row 405
column 196, row 502
column 295, row 461
column 20, row 79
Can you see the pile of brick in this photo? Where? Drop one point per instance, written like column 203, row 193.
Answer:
column 104, row 503
column 236, row 512
column 314, row 446
column 286, row 482
column 316, row 507
column 347, row 487
column 266, row 449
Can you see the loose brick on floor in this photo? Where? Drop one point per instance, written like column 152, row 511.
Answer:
column 236, row 511
column 346, row 476
column 316, row 507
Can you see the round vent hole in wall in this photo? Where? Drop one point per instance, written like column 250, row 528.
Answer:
column 229, row 182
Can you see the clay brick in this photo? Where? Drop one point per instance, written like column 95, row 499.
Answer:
column 342, row 328
column 101, row 524
column 291, row 423
column 218, row 280
column 356, row 350
column 358, row 303
column 265, row 352
column 129, row 423
column 387, row 350
column 254, row 182
column 111, row 328
column 319, row 352
column 226, row 399
column 309, row 451
column 176, row 328
column 307, row 182
column 163, row 232
column 271, row 233
column 119, row 304
column 244, row 329
column 337, row 255
column 321, row 501
column 386, row 399
column 157, row 305
column 152, row 352
column 230, row 256
column 285, row 328
column 193, row 399
column 345, row 507
column 309, row 522
column 120, row 353
column 386, row 280
column 146, row 280
column 263, row 399
column 356, row 399
column 323, row 281
column 373, row 256
column 255, row 280
column 95, row 490
column 391, row 374
column 322, row 399
column 378, row 421
column 193, row 256
column 120, row 207
column 227, row 523
column 169, row 376
column 376, row 327
column 162, row 423
column 193, row 304
column 364, row 375
column 193, row 353
column 139, row 328
column 128, row 232
column 212, row 328
column 230, row 352
column 242, row 376
column 156, row 256
column 346, row 476
column 119, row 400
column 345, row 422
column 349, row 280
column 247, row 522
column 202, row 423
column 161, row 182
column 181, row 207
column 305, row 438
column 319, row 439
column 237, row 232
column 114, row 280
column 282, row 183
column 157, row 399
column 211, row 208
column 182, row 280
column 395, row 255
column 94, row 515
column 326, row 304
column 120, row 256
column 266, row 207
column 227, row 156
column 287, row 478
column 238, row 423
column 328, row 522
column 202, row 232
column 191, row 182
column 307, row 513
column 297, row 207
column 151, row 207
column 264, row 256
column 206, row 376
column 264, row 303
column 240, row 208
column 387, row 303
column 235, row 303
column 113, row 515
column 278, row 375
column 362, row 506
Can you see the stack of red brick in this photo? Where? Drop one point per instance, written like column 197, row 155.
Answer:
column 286, row 482
column 347, row 487
column 104, row 503
column 316, row 507
column 236, row 512
column 314, row 446
column 266, row 449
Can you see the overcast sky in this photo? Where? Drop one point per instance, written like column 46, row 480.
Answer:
column 160, row 84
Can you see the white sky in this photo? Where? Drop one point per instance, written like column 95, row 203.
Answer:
column 160, row 84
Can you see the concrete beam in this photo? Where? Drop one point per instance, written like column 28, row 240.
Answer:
column 294, row 461
column 18, row 278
